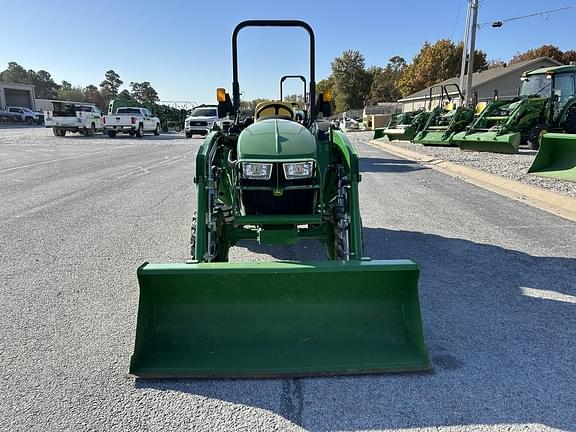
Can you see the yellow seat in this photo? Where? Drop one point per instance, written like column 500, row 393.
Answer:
column 274, row 109
column 480, row 107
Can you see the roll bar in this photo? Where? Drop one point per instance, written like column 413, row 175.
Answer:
column 302, row 78
column 272, row 23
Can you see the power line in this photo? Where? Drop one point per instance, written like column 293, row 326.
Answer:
column 543, row 14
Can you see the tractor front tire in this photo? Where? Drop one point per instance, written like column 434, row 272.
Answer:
column 193, row 237
column 535, row 135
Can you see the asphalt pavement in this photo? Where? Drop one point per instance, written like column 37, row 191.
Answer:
column 78, row 215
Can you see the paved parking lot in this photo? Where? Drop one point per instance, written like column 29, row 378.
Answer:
column 79, row 215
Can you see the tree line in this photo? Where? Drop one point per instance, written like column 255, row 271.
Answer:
column 109, row 88
column 355, row 86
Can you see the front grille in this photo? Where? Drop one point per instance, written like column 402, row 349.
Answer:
column 291, row 202
column 198, row 123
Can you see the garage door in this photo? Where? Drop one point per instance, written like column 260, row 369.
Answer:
column 19, row 98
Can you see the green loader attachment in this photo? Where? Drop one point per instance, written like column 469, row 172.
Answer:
column 556, row 157
column 277, row 178
column 379, row 133
column 500, row 127
column 278, row 318
column 445, row 121
column 402, row 126
column 546, row 102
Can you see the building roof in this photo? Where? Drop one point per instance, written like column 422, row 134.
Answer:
column 6, row 84
column 552, row 70
column 479, row 78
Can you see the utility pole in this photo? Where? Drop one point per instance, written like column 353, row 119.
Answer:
column 468, row 49
column 472, row 49
column 465, row 48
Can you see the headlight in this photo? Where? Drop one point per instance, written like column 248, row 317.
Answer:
column 256, row 171
column 298, row 170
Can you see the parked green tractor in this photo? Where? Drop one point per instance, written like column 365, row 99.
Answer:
column 274, row 180
column 445, row 121
column 546, row 102
column 403, row 126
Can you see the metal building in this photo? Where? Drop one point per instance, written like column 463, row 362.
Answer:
column 21, row 95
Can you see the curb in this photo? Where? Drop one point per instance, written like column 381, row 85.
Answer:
column 552, row 202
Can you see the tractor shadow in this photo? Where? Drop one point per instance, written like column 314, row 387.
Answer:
column 499, row 326
column 368, row 164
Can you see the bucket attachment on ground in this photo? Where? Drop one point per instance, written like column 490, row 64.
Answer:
column 400, row 134
column 434, row 137
column 270, row 319
column 556, row 157
column 488, row 142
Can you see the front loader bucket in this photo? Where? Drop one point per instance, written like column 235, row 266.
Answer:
column 271, row 319
column 402, row 134
column 489, row 142
column 379, row 133
column 556, row 157
column 434, row 138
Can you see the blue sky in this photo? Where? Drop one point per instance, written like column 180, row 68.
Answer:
column 183, row 47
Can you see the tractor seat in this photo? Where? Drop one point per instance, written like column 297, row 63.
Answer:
column 274, row 109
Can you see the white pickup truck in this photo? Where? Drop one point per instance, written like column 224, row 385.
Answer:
column 131, row 120
column 73, row 117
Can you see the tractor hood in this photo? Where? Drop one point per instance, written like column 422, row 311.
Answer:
column 276, row 139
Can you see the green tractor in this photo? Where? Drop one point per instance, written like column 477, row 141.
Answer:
column 405, row 126
column 273, row 180
column 402, row 126
column 445, row 121
column 546, row 102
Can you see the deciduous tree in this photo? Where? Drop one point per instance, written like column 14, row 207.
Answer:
column 551, row 51
column 351, row 81
column 435, row 63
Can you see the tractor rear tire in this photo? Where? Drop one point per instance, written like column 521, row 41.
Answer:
column 140, row 131
column 570, row 122
column 157, row 130
column 111, row 134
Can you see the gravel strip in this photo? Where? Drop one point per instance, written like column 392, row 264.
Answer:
column 512, row 166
